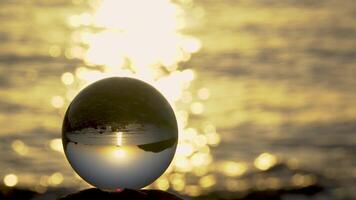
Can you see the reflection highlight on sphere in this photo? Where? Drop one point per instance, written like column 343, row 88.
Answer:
column 119, row 133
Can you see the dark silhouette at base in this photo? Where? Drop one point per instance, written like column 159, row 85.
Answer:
column 126, row 194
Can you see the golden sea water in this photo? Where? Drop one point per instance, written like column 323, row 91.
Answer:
column 253, row 84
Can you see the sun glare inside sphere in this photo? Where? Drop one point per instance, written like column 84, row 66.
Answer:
column 119, row 133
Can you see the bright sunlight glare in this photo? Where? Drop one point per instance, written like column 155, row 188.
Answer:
column 143, row 40
column 119, row 138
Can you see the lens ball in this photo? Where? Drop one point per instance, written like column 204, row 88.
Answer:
column 119, row 133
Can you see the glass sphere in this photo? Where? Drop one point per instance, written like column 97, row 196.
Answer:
column 119, row 133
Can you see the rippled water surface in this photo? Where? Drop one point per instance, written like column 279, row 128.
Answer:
column 254, row 84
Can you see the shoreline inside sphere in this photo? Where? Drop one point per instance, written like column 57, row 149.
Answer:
column 119, row 133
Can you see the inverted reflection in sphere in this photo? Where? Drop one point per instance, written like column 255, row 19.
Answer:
column 119, row 133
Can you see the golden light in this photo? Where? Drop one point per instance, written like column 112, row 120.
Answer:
column 57, row 101
column 10, row 180
column 209, row 128
column 44, row 180
column 213, row 138
column 54, row 51
column 265, row 161
column 197, row 108
column 67, row 78
column 207, row 181
column 70, row 94
column 233, row 169
column 186, row 97
column 200, row 141
column 56, row 145
column 55, row 179
column 182, row 164
column 119, row 138
column 203, row 93
column 40, row 189
column 19, row 147
column 185, row 149
column 201, row 170
column 192, row 190
column 147, row 40
column 147, row 46
column 144, row 40
column 177, row 181
column 191, row 45
column 119, row 153
column 205, row 149
column 101, row 50
column 162, row 183
column 133, row 15
column 301, row 180
column 189, row 134
column 200, row 159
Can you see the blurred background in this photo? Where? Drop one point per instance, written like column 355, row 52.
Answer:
column 264, row 91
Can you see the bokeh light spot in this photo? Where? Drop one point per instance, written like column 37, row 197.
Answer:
column 233, row 169
column 197, row 108
column 54, row 51
column 162, row 183
column 56, row 145
column 19, row 147
column 265, row 161
column 57, row 101
column 10, row 180
column 207, row 181
column 203, row 93
column 67, row 78
column 55, row 179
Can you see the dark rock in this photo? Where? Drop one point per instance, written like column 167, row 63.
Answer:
column 126, row 194
column 277, row 194
column 16, row 194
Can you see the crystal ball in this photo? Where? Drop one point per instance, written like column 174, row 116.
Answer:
column 119, row 133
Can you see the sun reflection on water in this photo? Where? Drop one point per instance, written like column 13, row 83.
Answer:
column 260, row 82
column 144, row 40
column 119, row 138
